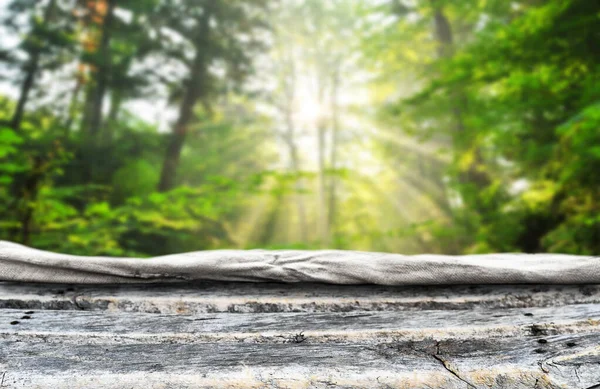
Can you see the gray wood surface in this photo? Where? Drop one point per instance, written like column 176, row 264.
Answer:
column 215, row 335
column 270, row 297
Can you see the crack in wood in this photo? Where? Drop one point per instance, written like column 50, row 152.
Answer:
column 577, row 373
column 447, row 366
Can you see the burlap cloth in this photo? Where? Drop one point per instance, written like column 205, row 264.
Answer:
column 24, row 264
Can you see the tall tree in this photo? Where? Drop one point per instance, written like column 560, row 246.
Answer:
column 330, row 30
column 115, row 39
column 102, row 66
column 284, row 99
column 473, row 174
column 46, row 46
column 335, row 134
column 222, row 36
column 47, row 36
column 31, row 69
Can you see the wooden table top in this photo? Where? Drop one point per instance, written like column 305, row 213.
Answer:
column 244, row 335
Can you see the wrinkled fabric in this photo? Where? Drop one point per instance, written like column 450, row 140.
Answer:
column 23, row 264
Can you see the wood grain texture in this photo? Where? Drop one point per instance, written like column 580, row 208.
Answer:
column 100, row 327
column 569, row 361
column 271, row 336
column 213, row 297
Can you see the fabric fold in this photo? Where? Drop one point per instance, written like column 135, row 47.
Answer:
column 19, row 263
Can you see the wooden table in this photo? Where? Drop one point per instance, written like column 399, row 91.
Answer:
column 241, row 335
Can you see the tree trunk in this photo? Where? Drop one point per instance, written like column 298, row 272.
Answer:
column 177, row 138
column 102, row 72
column 269, row 229
column 321, row 133
column 334, row 144
column 30, row 194
column 472, row 175
column 444, row 36
column 31, row 69
column 193, row 93
column 443, row 33
column 31, row 73
column 299, row 199
column 323, row 227
column 290, row 140
column 113, row 116
column 29, row 191
column 72, row 107
column 295, row 168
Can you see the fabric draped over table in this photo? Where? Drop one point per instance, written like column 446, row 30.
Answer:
column 19, row 263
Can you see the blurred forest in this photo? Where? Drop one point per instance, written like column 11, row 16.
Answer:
column 147, row 127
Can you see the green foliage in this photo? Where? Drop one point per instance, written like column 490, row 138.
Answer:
column 481, row 132
column 519, row 106
column 9, row 142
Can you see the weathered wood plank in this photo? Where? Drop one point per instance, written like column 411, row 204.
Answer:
column 100, row 327
column 547, row 348
column 247, row 297
column 569, row 361
column 299, row 336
